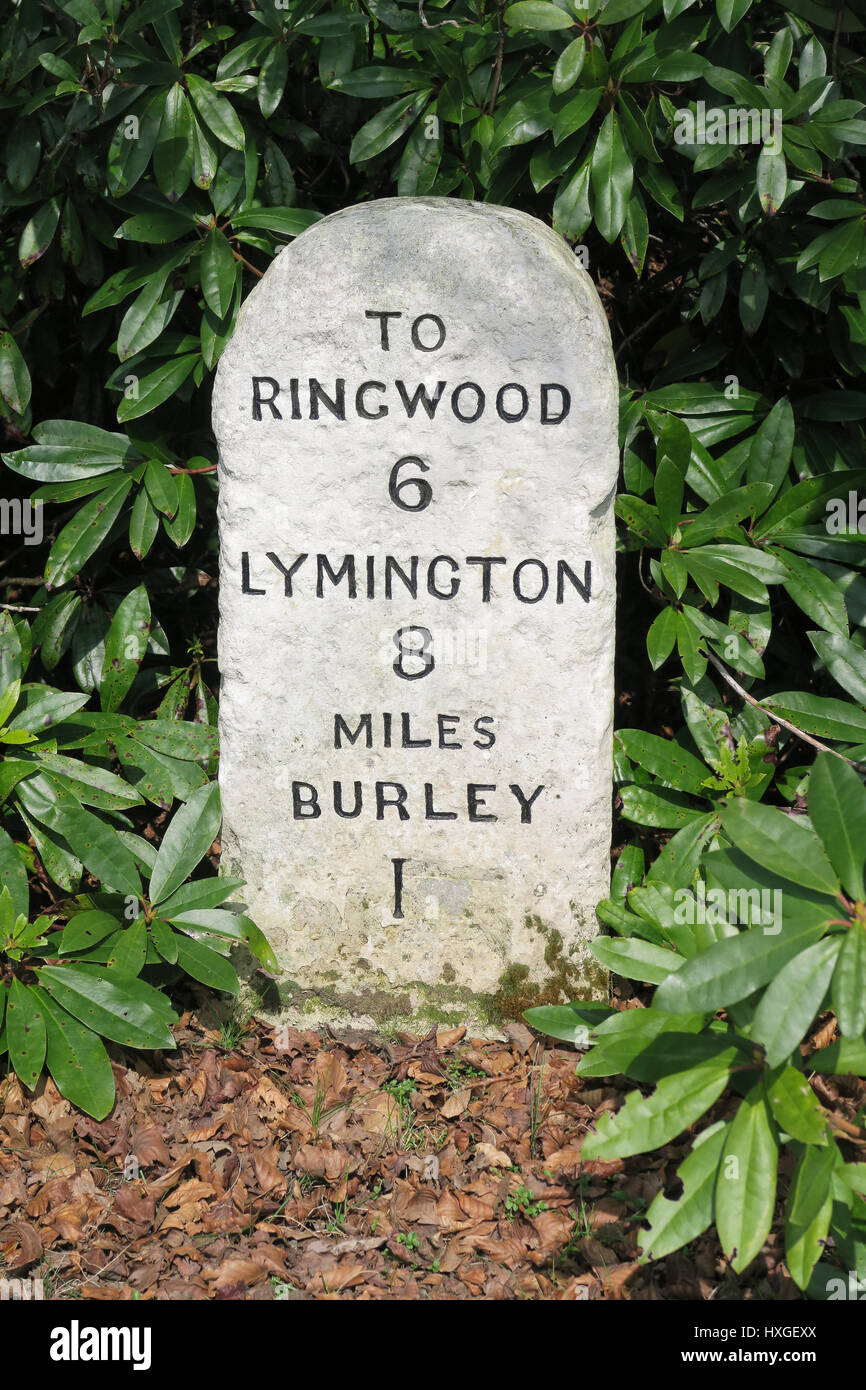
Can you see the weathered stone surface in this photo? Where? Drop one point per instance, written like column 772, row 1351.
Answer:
column 499, row 879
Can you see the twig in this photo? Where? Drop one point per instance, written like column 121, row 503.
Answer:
column 243, row 260
column 454, row 22
column 19, row 608
column 777, row 718
column 500, row 51
column 211, row 468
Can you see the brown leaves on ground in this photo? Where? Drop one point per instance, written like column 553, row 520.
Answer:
column 296, row 1167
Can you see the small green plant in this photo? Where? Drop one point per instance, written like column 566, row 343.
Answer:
column 66, row 985
column 458, row 1073
column 746, row 958
column 407, row 1238
column 521, row 1202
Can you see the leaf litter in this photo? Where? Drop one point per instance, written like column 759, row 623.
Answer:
column 307, row 1164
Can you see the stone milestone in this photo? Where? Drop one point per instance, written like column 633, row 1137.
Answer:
column 416, row 420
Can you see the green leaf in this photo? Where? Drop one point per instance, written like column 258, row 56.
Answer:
column 157, row 387
column 155, row 227
column 125, row 647
column 164, row 939
column 13, row 875
column 776, row 840
column 200, row 894
column 217, row 272
column 232, row 925
column 845, row 660
column 794, row 1106
column 837, row 810
column 119, row 1007
column 746, row 1182
column 189, row 836
column 808, row 1211
column 730, row 12
column 665, row 759
column 129, row 949
column 216, row 111
column 273, row 75
column 161, row 487
column 181, row 526
column 386, row 127
column 611, row 178
column 636, row 959
column 143, row 524
column 76, row 1059
column 14, row 376
column 288, row 221
column 732, row 969
column 568, row 66
column 819, row 715
column 571, row 210
column 812, row 591
column 98, row 847
column 39, row 233
column 206, row 966
column 537, row 14
column 771, row 447
column 570, row 1023
column 672, row 1224
column 86, row 929
column 792, row 1000
column 83, row 535
column 25, row 1033
column 147, row 317
column 172, row 155
column 661, row 637
column 849, row 983
column 772, row 178
column 754, row 293
column 644, row 1124
column 843, row 1058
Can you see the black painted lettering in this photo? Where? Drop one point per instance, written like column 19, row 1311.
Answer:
column 585, row 589
column 410, row 580
column 564, row 403
column 486, row 737
column 486, row 562
column 454, row 583
column 398, row 801
column 474, row 799
column 360, row 405
column 342, row 730
column 323, row 568
column 288, row 574
column 542, row 590
column 407, row 740
column 511, row 416
column 416, row 336
column 245, row 575
column 305, row 807
column 525, row 802
column 430, row 812
column 259, row 400
column 447, row 724
column 337, row 406
column 479, row 402
column 338, row 801
column 383, row 315
column 420, row 397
